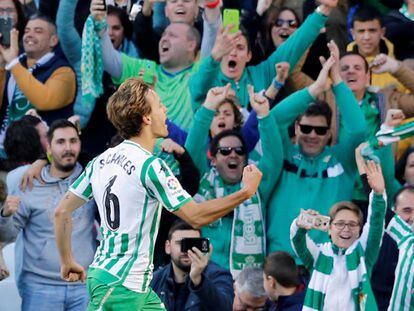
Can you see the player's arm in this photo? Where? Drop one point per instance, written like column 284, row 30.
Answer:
column 70, row 270
column 201, row 214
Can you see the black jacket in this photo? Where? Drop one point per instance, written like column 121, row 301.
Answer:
column 215, row 291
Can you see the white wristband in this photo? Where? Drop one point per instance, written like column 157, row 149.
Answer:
column 13, row 63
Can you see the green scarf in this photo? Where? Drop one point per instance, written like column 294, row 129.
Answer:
column 248, row 243
column 92, row 67
column 404, row 11
column 388, row 136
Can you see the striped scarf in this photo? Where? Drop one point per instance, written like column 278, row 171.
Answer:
column 248, row 243
column 403, row 292
column 357, row 272
column 359, row 259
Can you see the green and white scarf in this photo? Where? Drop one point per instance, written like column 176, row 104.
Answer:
column 248, row 242
column 404, row 11
column 92, row 67
column 386, row 136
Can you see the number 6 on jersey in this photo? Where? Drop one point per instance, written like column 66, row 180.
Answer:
column 111, row 204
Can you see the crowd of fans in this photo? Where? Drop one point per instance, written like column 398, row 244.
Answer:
column 300, row 88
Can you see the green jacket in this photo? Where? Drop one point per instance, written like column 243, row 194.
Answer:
column 260, row 76
column 219, row 232
column 313, row 182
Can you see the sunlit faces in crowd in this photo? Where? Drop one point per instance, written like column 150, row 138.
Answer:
column 367, row 36
column 173, row 248
column 39, row 38
column 234, row 63
column 7, row 8
column 345, row 226
column 183, row 11
column 64, row 148
column 409, row 169
column 227, row 117
column 312, row 134
column 230, row 156
column 404, row 205
column 285, row 24
column 177, row 45
column 354, row 71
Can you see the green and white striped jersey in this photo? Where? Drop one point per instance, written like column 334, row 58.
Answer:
column 129, row 186
column 402, row 298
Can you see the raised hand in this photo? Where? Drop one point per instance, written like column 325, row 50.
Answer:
column 383, row 63
column 334, row 73
column 216, row 95
column 170, row 146
column 225, row 43
column 199, row 262
column 321, row 83
column 326, row 6
column 8, row 54
column 375, row 178
column 33, row 172
column 98, row 11
column 394, row 117
column 259, row 103
column 262, row 6
column 251, row 179
column 11, row 205
column 282, row 71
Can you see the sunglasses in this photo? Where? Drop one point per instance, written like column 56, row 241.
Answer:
column 225, row 151
column 289, row 22
column 319, row 130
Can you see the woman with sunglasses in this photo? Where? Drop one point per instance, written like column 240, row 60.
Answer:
column 345, row 261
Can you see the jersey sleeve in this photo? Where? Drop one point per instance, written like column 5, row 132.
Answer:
column 82, row 186
column 161, row 182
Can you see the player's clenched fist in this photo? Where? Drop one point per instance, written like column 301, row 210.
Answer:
column 11, row 205
column 251, row 179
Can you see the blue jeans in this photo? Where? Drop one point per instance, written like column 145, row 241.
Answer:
column 43, row 297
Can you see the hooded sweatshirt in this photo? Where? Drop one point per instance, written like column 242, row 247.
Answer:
column 35, row 216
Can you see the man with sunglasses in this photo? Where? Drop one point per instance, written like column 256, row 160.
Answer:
column 314, row 174
column 238, row 238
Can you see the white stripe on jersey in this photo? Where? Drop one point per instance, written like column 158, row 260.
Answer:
column 129, row 185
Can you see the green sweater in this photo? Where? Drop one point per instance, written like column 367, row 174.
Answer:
column 313, row 182
column 172, row 88
column 260, row 76
column 219, row 232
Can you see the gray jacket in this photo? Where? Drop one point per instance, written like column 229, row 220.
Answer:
column 41, row 261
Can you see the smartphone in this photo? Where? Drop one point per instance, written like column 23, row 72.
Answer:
column 203, row 244
column 231, row 17
column 6, row 25
column 149, row 72
column 319, row 222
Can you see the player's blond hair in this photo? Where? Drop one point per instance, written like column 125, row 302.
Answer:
column 127, row 106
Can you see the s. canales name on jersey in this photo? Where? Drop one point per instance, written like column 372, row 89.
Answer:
column 118, row 159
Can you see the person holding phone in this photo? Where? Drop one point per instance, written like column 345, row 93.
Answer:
column 191, row 281
column 38, row 78
column 347, row 259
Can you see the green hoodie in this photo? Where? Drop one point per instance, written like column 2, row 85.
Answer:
column 313, row 182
